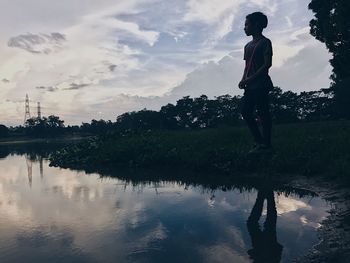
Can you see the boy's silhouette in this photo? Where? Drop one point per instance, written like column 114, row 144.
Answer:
column 256, row 81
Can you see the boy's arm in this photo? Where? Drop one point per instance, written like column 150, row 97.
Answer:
column 242, row 84
column 245, row 70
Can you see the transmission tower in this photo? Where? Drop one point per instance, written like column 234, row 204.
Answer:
column 39, row 111
column 27, row 112
column 29, row 169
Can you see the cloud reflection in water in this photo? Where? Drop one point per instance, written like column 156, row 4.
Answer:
column 73, row 217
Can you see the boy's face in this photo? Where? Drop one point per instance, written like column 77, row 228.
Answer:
column 248, row 28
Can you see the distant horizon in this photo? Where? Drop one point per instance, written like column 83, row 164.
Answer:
column 97, row 61
column 35, row 115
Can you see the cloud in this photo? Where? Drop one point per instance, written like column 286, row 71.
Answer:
column 133, row 29
column 308, row 70
column 210, row 12
column 212, row 78
column 270, row 5
column 38, row 43
column 50, row 88
column 286, row 205
column 112, row 67
column 75, row 86
column 289, row 21
column 218, row 16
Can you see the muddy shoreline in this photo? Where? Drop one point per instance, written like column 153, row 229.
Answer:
column 29, row 140
column 334, row 234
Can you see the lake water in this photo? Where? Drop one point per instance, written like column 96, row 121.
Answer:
column 50, row 214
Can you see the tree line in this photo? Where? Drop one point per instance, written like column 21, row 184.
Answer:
column 202, row 112
column 188, row 113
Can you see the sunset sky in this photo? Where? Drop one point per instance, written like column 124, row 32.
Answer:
column 89, row 59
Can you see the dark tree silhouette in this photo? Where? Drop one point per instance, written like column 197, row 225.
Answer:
column 169, row 116
column 54, row 122
column 100, row 127
column 227, row 110
column 185, row 116
column 4, row 131
column 139, row 120
column 331, row 26
column 285, row 106
column 315, row 106
column 44, row 127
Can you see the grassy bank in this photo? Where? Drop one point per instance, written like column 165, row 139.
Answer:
column 308, row 149
column 15, row 140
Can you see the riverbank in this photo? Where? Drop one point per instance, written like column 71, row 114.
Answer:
column 32, row 140
column 334, row 233
column 309, row 149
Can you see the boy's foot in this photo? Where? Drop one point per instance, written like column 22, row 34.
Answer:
column 260, row 148
column 254, row 148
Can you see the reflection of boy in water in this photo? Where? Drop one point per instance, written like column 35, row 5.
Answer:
column 265, row 249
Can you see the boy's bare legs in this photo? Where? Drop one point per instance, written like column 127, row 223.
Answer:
column 265, row 117
column 258, row 99
column 248, row 107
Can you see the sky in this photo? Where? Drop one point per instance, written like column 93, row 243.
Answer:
column 88, row 59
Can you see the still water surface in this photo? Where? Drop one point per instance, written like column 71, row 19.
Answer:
column 58, row 215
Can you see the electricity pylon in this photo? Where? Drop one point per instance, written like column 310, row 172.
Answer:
column 39, row 111
column 27, row 112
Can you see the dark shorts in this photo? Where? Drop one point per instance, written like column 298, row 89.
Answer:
column 255, row 99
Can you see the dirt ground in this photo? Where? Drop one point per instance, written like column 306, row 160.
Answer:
column 334, row 234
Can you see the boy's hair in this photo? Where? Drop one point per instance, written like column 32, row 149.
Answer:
column 258, row 18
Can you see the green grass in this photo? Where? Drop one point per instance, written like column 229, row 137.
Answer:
column 308, row 149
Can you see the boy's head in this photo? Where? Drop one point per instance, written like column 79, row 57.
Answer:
column 255, row 23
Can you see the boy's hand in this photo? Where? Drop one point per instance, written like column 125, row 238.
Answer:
column 241, row 84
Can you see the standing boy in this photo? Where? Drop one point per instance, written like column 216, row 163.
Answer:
column 256, row 81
